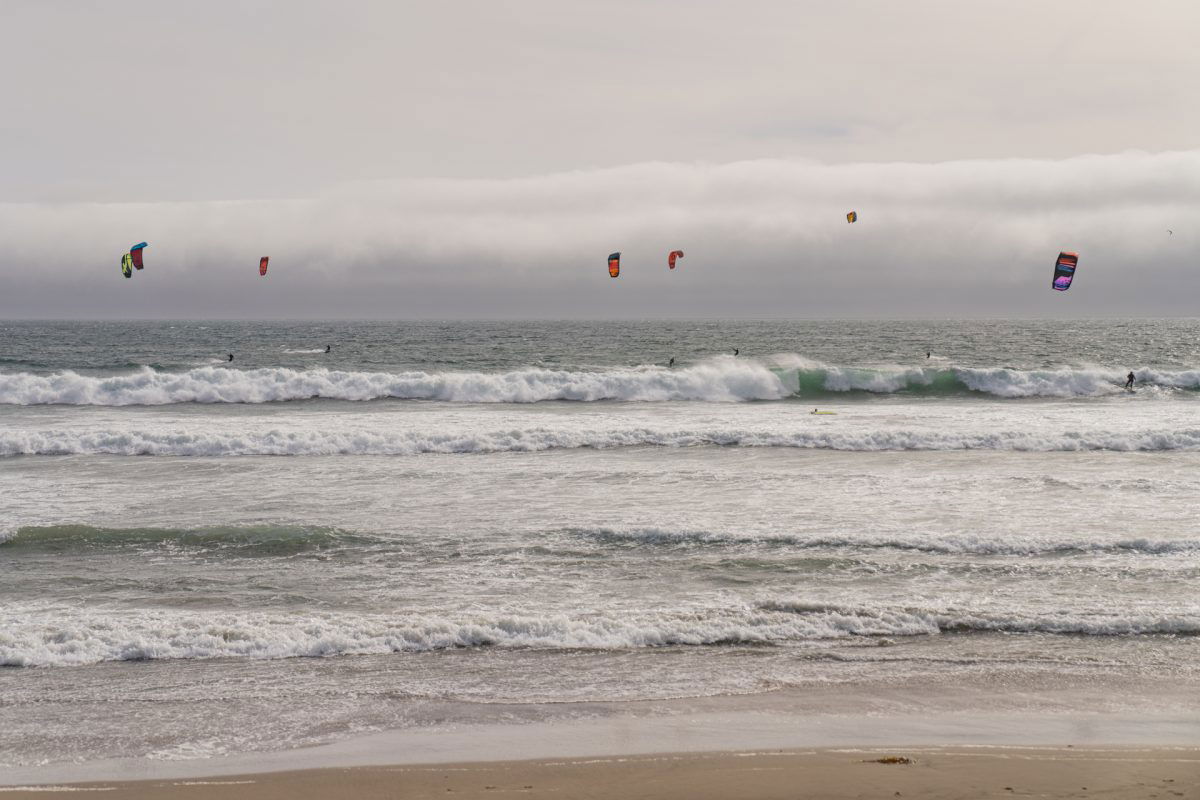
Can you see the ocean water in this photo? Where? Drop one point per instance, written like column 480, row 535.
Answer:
column 442, row 523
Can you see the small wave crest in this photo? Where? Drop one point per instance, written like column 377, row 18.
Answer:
column 941, row 545
column 916, row 621
column 373, row 442
column 261, row 540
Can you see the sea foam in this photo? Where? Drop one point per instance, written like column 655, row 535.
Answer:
column 375, row 442
column 73, row 637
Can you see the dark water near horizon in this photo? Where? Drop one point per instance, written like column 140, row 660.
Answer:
column 498, row 345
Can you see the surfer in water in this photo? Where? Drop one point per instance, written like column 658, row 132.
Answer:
column 672, row 362
column 1129, row 380
column 231, row 356
column 328, row 348
column 927, row 354
column 735, row 351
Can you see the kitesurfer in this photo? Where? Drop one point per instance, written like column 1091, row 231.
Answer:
column 1129, row 380
column 1064, row 271
column 327, row 348
column 672, row 362
column 927, row 354
column 735, row 351
column 231, row 356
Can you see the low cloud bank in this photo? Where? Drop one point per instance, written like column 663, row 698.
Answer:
column 764, row 237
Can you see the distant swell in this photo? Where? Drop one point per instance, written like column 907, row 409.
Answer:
column 368, row 442
column 68, row 636
column 965, row 544
column 285, row 540
column 719, row 379
column 254, row 540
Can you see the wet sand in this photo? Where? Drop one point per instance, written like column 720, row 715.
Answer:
column 978, row 772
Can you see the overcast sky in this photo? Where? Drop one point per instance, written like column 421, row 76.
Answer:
column 403, row 159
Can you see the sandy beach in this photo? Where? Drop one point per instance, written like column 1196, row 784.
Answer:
column 606, row 400
column 842, row 773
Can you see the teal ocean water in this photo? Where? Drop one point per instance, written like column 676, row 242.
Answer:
column 441, row 522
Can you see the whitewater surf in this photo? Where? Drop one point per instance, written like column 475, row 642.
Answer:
column 436, row 523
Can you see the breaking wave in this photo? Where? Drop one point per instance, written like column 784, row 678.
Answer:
column 373, row 442
column 719, row 379
column 63, row 637
column 1005, row 382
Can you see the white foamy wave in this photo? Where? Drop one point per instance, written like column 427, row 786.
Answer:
column 998, row 382
column 409, row 443
column 718, row 380
column 81, row 638
column 65, row 637
column 809, row 377
column 1068, row 382
column 43, row 787
column 965, row 544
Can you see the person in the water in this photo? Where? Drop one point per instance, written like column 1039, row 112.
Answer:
column 328, row 348
column 231, row 356
column 672, row 362
column 927, row 354
column 735, row 351
column 1129, row 380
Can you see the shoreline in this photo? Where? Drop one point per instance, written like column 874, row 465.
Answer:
column 627, row 736
column 926, row 772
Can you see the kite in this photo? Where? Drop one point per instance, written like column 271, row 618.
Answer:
column 127, row 265
column 136, row 253
column 262, row 265
column 1064, row 271
column 614, row 264
column 671, row 258
column 852, row 216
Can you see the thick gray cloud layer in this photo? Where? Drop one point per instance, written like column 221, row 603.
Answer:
column 761, row 237
column 482, row 157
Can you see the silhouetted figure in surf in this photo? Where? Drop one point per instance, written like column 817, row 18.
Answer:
column 231, row 356
column 735, row 351
column 1129, row 380
column 672, row 362
column 328, row 348
column 927, row 354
